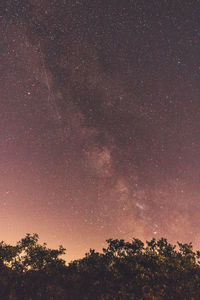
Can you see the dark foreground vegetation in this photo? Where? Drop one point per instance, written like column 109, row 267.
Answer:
column 30, row 271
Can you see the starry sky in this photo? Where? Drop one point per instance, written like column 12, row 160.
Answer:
column 99, row 121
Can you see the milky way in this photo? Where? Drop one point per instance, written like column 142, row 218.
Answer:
column 100, row 121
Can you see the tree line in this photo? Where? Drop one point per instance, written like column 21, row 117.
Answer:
column 123, row 270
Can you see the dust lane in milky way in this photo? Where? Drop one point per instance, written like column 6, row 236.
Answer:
column 99, row 127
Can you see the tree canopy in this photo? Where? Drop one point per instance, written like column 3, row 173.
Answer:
column 123, row 270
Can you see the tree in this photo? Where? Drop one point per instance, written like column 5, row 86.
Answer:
column 124, row 270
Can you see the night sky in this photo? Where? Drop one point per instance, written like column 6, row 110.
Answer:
column 99, row 121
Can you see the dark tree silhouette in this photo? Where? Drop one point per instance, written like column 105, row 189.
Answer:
column 124, row 270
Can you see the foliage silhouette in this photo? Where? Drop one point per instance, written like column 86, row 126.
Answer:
column 124, row 270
